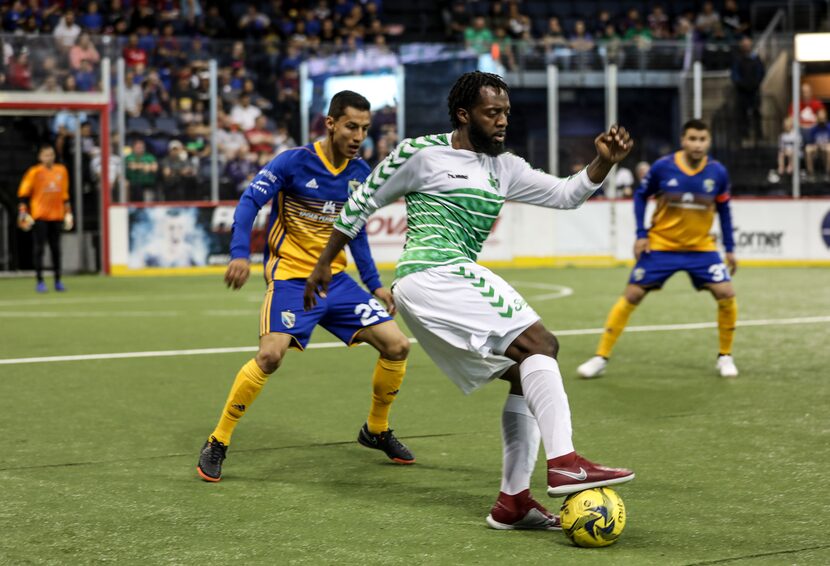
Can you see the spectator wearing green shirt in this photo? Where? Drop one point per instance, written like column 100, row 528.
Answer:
column 478, row 37
column 142, row 169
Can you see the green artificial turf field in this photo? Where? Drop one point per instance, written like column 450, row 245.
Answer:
column 98, row 455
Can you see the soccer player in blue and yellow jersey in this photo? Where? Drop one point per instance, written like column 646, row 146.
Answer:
column 689, row 187
column 308, row 186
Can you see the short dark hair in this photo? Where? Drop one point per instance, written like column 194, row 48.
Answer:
column 694, row 124
column 466, row 92
column 347, row 99
column 45, row 145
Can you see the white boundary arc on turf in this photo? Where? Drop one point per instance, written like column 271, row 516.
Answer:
column 326, row 345
column 557, row 291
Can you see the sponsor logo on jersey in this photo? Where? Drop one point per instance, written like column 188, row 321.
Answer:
column 709, row 185
column 457, row 176
column 494, row 182
column 312, row 184
column 672, row 183
column 330, row 207
column 268, row 175
column 288, row 319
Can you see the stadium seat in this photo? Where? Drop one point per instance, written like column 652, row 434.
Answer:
column 169, row 126
column 139, row 125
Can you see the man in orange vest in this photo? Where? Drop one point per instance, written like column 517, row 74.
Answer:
column 44, row 206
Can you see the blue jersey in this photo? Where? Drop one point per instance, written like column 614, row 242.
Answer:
column 686, row 203
column 308, row 193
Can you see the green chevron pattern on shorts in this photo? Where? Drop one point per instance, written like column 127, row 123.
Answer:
column 486, row 290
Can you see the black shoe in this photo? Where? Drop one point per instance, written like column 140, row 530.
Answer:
column 210, row 460
column 387, row 442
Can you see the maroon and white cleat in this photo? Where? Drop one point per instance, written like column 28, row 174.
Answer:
column 571, row 473
column 521, row 511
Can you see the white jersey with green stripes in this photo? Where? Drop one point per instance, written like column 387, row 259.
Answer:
column 453, row 197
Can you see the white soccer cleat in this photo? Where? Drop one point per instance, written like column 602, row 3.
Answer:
column 594, row 367
column 726, row 366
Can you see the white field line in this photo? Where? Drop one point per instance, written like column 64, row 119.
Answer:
column 556, row 292
column 326, row 345
column 54, row 302
column 122, row 314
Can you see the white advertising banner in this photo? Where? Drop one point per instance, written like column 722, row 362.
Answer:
column 764, row 230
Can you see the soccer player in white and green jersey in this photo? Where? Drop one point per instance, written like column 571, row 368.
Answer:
column 469, row 320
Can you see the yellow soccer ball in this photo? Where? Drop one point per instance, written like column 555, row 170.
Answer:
column 594, row 517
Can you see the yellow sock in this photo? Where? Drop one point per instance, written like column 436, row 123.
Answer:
column 727, row 319
column 247, row 385
column 386, row 381
column 614, row 325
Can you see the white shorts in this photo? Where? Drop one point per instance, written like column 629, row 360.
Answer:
column 465, row 317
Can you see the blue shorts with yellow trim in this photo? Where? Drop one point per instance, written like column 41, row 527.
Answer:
column 347, row 309
column 653, row 269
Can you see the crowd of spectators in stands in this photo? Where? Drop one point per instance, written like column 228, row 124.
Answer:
column 516, row 30
column 167, row 46
column 48, row 46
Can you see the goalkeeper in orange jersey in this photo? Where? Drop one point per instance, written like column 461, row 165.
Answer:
column 689, row 187
column 44, row 208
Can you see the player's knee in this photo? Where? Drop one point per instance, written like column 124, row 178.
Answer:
column 722, row 294
column 269, row 360
column 397, row 349
column 634, row 294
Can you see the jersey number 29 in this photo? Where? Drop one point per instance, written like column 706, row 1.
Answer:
column 370, row 313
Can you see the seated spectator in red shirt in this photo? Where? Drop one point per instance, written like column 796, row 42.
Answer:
column 133, row 54
column 808, row 110
column 260, row 139
column 20, row 75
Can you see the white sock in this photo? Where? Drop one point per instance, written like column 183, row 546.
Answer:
column 546, row 397
column 520, row 445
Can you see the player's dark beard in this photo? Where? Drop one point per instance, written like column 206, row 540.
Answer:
column 482, row 142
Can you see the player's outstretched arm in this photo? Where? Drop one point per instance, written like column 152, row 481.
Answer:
column 612, row 147
column 318, row 282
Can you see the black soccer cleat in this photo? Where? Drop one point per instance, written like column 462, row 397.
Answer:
column 210, row 460
column 388, row 443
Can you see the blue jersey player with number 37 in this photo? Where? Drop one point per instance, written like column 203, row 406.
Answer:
column 308, row 186
column 689, row 188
